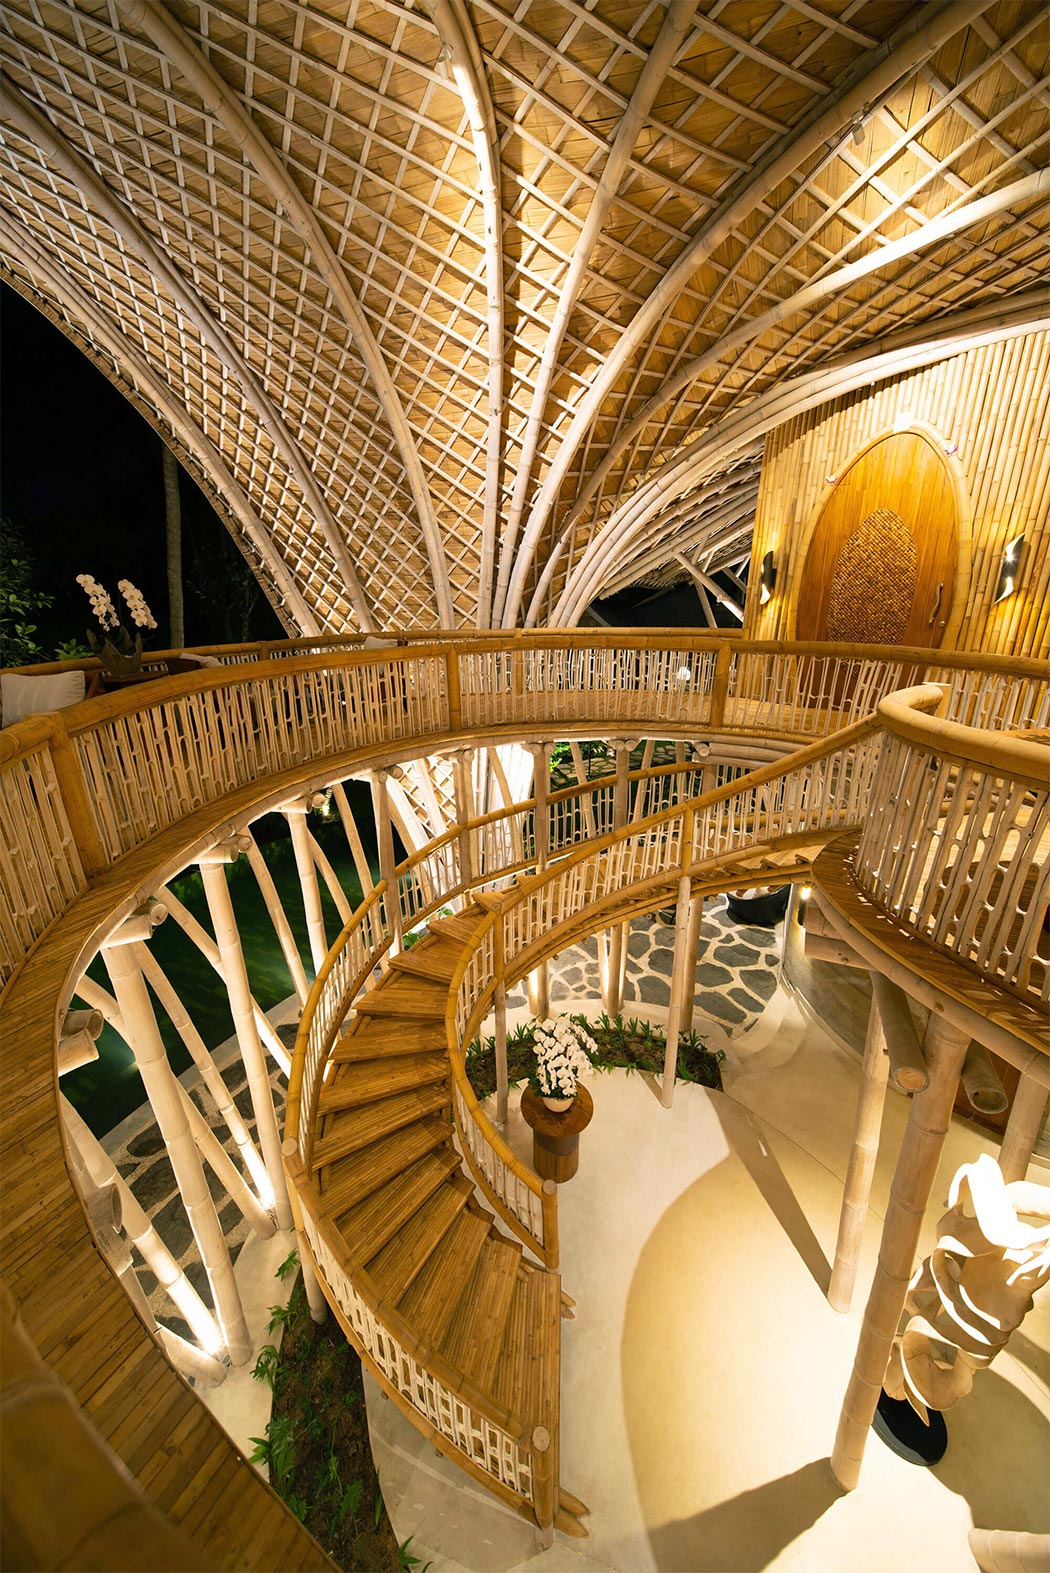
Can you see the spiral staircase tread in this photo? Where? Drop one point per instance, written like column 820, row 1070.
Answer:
column 358, row 1082
column 394, row 1268
column 371, row 1223
column 349, row 1180
column 350, row 1130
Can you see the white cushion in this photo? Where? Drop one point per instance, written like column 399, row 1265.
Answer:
column 21, row 696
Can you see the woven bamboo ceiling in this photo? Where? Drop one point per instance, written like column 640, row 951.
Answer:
column 467, row 311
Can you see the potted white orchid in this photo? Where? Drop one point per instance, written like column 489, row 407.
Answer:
column 564, row 1051
column 119, row 651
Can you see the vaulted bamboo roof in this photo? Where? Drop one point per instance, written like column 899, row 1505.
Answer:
column 465, row 312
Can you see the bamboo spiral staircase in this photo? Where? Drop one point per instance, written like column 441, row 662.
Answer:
column 452, row 1288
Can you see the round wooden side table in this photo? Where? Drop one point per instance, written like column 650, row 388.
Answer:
column 556, row 1137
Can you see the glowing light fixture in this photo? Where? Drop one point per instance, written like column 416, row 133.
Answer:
column 1009, row 572
column 767, row 579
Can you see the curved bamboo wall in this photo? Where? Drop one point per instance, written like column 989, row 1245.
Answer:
column 994, row 404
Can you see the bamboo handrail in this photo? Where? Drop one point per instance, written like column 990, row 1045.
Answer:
column 1007, row 754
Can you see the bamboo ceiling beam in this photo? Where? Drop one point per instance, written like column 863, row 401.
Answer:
column 905, row 140
column 676, row 25
column 813, row 295
column 729, row 521
column 178, row 48
column 152, row 256
column 468, row 69
column 923, row 32
column 169, row 417
column 740, row 429
column 704, row 581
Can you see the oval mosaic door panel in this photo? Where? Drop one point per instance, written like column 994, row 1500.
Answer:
column 880, row 568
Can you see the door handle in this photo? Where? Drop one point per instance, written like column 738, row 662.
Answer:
column 936, row 603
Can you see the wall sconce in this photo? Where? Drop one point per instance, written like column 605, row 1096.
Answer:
column 1008, row 573
column 767, row 579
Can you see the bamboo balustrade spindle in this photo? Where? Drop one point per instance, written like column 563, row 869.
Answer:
column 945, row 1049
column 235, row 973
column 140, row 1024
column 871, row 1099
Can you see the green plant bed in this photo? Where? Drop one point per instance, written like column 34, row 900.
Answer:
column 316, row 1443
column 633, row 1045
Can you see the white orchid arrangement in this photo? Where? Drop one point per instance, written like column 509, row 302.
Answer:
column 564, row 1050
column 119, row 652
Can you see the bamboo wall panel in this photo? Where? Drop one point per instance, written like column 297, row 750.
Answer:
column 989, row 411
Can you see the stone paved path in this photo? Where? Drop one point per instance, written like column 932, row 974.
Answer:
column 735, row 972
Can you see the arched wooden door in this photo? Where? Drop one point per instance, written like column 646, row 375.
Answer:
column 881, row 564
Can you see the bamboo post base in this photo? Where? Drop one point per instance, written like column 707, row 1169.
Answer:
column 1022, row 1128
column 945, row 1049
column 870, row 1102
column 540, row 992
column 162, row 1089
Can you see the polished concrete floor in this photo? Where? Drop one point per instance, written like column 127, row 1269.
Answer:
column 703, row 1375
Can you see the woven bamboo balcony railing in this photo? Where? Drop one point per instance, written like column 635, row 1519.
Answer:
column 83, row 787
column 104, row 801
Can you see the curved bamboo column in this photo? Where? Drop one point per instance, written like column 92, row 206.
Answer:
column 871, row 1099
column 282, row 928
column 945, row 1049
column 235, row 974
column 210, row 1074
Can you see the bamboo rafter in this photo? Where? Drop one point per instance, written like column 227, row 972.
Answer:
column 482, row 271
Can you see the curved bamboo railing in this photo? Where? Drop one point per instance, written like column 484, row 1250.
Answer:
column 85, row 786
column 77, row 812
column 973, row 882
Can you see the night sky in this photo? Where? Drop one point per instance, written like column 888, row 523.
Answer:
column 81, row 478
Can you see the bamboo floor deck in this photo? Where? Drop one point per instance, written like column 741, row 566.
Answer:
column 73, row 1308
